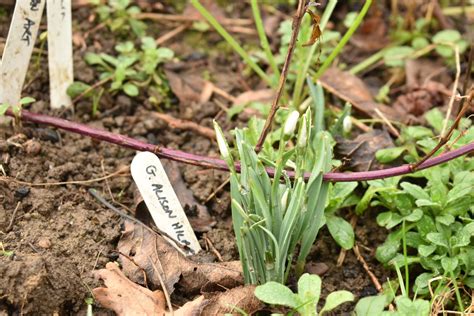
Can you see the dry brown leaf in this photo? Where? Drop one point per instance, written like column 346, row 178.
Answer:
column 352, row 89
column 264, row 95
column 221, row 303
column 421, row 93
column 186, row 86
column 125, row 297
column 359, row 154
column 152, row 252
column 372, row 33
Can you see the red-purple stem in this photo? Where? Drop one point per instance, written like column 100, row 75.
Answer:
column 219, row 164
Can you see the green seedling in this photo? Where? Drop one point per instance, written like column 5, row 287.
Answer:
column 120, row 17
column 133, row 68
column 16, row 109
column 5, row 253
column 306, row 300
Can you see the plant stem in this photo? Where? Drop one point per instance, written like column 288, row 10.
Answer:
column 284, row 72
column 232, row 42
column 344, row 39
column 405, row 257
column 297, row 91
column 456, row 290
column 263, row 38
column 367, row 62
column 215, row 163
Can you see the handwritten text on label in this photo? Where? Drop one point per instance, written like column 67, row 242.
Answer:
column 161, row 200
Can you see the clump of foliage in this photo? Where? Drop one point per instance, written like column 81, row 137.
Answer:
column 134, row 68
column 120, row 17
column 272, row 217
column 306, row 300
column 435, row 221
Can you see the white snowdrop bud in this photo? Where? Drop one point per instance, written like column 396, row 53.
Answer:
column 221, row 142
column 291, row 122
column 303, row 137
column 347, row 124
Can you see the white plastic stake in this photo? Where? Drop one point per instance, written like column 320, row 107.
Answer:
column 60, row 51
column 161, row 200
column 18, row 48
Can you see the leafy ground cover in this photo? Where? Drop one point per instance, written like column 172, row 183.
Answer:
column 376, row 83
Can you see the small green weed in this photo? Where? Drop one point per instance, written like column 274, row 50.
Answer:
column 306, row 300
column 132, row 69
column 5, row 253
column 120, row 17
column 17, row 107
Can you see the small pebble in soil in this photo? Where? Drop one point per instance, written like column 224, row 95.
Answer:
column 44, row 243
column 319, row 268
column 22, row 192
column 47, row 134
column 32, row 147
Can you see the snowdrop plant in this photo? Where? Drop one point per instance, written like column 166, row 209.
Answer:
column 276, row 219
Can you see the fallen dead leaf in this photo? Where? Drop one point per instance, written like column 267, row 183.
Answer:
column 225, row 302
column 127, row 298
column 421, row 92
column 186, row 86
column 359, row 154
column 264, row 95
column 352, row 89
column 372, row 33
column 151, row 252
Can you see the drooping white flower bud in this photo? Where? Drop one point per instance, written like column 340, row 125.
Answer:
column 291, row 122
column 221, row 142
column 303, row 137
column 347, row 124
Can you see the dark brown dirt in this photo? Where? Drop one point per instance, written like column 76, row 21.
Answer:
column 59, row 233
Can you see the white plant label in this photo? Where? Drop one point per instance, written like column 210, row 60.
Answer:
column 162, row 202
column 18, row 48
column 60, row 51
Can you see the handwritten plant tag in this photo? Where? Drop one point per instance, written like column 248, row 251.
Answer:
column 60, row 51
column 18, row 48
column 161, row 200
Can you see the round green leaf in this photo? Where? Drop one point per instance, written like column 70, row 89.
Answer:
column 389, row 154
column 335, row 299
column 131, row 89
column 449, row 264
column 395, row 56
column 276, row 294
column 341, row 231
column 446, row 36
